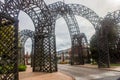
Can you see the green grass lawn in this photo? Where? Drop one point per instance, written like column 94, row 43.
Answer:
column 114, row 64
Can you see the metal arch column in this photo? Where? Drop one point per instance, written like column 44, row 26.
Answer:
column 44, row 52
column 11, row 50
column 9, row 47
column 78, row 49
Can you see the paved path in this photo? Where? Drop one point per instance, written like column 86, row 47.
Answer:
column 82, row 73
column 29, row 75
column 112, row 68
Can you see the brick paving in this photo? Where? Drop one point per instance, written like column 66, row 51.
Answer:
column 29, row 75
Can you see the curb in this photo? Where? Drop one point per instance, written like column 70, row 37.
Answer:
column 99, row 68
column 110, row 70
column 67, row 75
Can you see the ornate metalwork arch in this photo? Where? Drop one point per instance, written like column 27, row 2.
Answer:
column 77, row 9
column 67, row 11
column 40, row 15
column 24, row 35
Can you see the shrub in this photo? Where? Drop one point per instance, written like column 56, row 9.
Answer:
column 22, row 67
column 9, row 68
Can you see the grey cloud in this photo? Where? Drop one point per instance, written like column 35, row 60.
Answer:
column 25, row 22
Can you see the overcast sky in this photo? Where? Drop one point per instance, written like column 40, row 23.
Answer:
column 101, row 7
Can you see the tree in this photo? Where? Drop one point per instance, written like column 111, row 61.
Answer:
column 113, row 37
column 93, row 48
column 110, row 32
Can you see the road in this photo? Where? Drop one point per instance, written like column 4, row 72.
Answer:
column 81, row 73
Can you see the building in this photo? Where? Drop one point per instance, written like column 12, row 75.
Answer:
column 63, row 55
column 27, row 59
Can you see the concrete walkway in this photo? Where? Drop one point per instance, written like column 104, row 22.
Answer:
column 83, row 73
column 29, row 75
column 112, row 68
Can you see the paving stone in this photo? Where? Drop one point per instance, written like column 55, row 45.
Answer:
column 29, row 75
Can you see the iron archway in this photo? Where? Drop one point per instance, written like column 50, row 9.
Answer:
column 67, row 11
column 40, row 15
column 24, row 35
